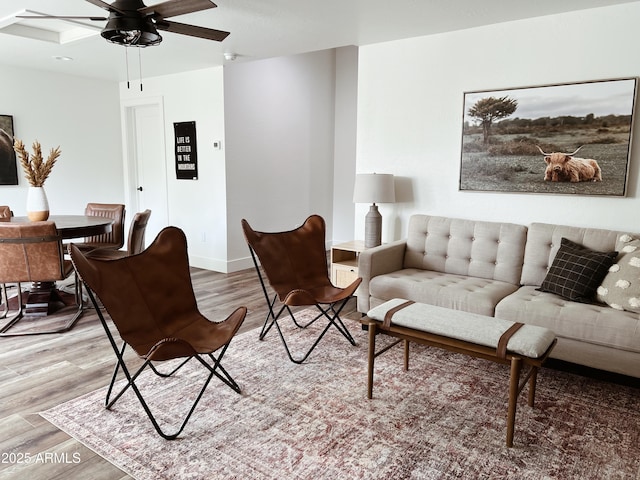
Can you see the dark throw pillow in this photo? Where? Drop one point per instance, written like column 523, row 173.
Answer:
column 577, row 271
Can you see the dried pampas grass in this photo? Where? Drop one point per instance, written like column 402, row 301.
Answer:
column 36, row 170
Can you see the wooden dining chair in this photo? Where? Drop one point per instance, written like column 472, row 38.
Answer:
column 135, row 241
column 33, row 252
column 115, row 238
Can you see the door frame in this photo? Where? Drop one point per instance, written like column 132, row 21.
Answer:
column 129, row 152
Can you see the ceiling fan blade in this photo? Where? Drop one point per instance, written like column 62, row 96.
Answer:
column 106, row 6
column 173, row 8
column 192, row 30
column 61, row 17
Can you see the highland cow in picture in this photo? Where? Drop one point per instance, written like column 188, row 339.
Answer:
column 564, row 167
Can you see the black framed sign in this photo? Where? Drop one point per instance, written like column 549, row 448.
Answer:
column 8, row 165
column 186, row 150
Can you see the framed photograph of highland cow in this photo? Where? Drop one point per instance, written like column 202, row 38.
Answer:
column 572, row 138
column 8, row 165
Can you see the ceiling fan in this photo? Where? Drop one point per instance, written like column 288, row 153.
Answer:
column 131, row 23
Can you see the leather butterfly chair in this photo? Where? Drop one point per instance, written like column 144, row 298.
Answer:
column 115, row 238
column 150, row 299
column 33, row 252
column 295, row 264
column 135, row 241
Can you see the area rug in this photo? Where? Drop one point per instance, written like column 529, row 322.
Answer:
column 443, row 419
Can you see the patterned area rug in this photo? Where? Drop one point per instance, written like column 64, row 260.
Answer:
column 443, row 419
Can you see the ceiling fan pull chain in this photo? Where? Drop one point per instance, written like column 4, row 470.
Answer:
column 126, row 56
column 140, row 66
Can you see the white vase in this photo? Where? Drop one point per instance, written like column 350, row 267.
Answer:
column 37, row 204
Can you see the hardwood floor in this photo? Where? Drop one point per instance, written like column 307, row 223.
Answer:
column 39, row 372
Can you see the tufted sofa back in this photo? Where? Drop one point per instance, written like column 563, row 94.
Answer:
column 543, row 242
column 489, row 250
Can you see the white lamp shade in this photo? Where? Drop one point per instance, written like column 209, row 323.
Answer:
column 374, row 188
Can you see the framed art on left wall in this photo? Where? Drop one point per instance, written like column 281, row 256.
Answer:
column 8, row 166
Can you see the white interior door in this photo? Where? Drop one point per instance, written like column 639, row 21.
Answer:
column 147, row 179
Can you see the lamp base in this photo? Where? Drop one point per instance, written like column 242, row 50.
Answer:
column 372, row 227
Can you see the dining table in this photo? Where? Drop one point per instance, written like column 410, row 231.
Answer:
column 45, row 298
column 73, row 226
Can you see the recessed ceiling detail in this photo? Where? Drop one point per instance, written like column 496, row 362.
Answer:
column 54, row 31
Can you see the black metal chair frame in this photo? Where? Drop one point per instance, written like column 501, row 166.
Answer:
column 4, row 299
column 331, row 313
column 213, row 368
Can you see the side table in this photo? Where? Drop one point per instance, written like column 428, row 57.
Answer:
column 344, row 262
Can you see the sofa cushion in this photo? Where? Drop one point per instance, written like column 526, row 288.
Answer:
column 576, row 271
column 586, row 322
column 543, row 241
column 620, row 288
column 471, row 294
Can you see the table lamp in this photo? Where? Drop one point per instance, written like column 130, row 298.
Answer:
column 373, row 188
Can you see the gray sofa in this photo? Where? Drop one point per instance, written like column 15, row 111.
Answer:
column 494, row 269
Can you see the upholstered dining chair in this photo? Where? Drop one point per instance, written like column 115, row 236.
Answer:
column 115, row 238
column 5, row 215
column 5, row 212
column 32, row 252
column 135, row 239
column 149, row 298
column 295, row 265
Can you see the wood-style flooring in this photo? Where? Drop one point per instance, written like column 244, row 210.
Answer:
column 42, row 371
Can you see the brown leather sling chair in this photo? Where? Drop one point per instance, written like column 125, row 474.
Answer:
column 150, row 299
column 295, row 264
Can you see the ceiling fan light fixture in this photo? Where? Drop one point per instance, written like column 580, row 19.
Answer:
column 131, row 32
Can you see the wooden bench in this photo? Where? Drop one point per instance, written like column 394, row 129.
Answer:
column 493, row 339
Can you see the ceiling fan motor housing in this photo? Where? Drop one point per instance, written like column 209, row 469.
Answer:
column 127, row 26
column 131, row 31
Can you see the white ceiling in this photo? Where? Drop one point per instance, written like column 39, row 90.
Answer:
column 259, row 29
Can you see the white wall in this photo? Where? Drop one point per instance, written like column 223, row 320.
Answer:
column 410, row 113
column 344, row 155
column 279, row 121
column 275, row 118
column 196, row 206
column 80, row 115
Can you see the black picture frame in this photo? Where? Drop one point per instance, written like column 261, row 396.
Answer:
column 596, row 116
column 186, row 150
column 8, row 163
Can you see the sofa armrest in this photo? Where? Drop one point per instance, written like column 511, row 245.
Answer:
column 375, row 261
